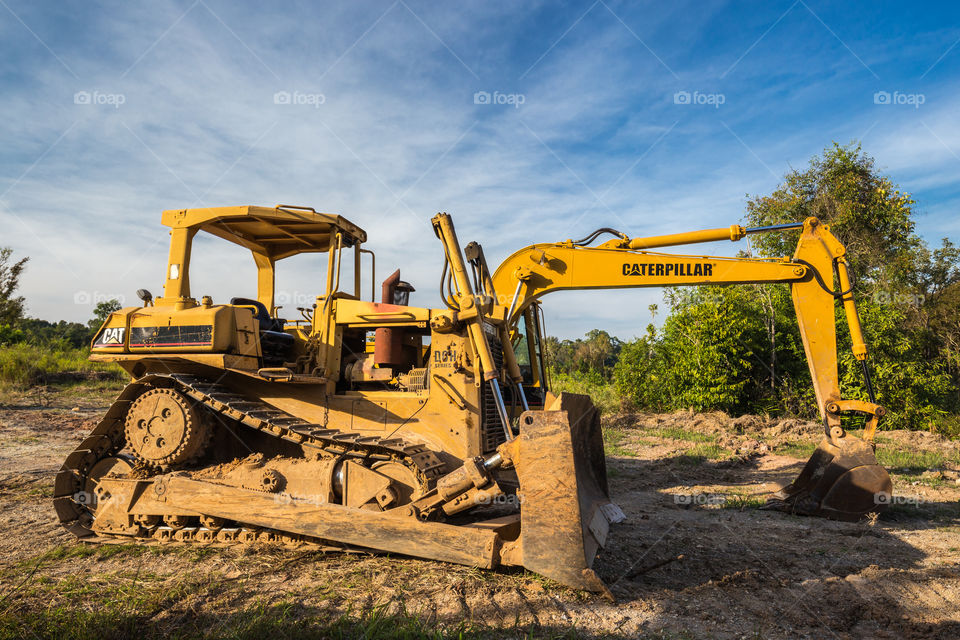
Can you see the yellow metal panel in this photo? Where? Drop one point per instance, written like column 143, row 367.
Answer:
column 376, row 314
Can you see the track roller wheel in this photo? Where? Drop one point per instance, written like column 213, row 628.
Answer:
column 212, row 522
column 147, row 521
column 179, row 522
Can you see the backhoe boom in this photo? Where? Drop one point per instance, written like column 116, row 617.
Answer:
column 819, row 259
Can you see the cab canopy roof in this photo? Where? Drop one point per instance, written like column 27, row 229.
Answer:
column 280, row 232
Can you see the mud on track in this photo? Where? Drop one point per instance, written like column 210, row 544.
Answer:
column 696, row 558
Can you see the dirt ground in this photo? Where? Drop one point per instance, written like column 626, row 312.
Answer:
column 695, row 558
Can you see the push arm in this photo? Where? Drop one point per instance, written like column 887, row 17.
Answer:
column 471, row 309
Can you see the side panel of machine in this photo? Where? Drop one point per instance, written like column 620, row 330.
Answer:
column 160, row 329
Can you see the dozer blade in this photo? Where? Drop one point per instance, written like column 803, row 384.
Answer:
column 840, row 481
column 564, row 504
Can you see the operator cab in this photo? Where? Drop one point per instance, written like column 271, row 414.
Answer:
column 529, row 349
column 247, row 333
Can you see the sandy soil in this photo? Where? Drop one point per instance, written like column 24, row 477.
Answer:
column 696, row 557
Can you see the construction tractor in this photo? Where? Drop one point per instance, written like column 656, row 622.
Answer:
column 388, row 427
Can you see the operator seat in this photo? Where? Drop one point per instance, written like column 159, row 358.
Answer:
column 275, row 345
column 267, row 323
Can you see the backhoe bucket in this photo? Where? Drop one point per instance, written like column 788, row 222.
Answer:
column 840, row 481
column 564, row 503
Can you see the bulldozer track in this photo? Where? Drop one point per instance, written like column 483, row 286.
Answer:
column 220, row 538
column 71, row 497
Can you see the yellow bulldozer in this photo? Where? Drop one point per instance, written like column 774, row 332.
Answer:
column 429, row 432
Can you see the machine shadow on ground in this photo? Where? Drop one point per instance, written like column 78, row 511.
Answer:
column 688, row 549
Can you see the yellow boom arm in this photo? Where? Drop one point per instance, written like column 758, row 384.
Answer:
column 537, row 270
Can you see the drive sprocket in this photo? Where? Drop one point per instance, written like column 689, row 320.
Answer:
column 165, row 428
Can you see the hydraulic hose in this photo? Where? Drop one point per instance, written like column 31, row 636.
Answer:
column 593, row 236
column 823, row 285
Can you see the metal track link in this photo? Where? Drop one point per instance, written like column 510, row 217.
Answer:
column 107, row 439
column 223, row 537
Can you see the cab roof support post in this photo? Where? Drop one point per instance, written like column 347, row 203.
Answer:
column 266, row 280
column 177, row 286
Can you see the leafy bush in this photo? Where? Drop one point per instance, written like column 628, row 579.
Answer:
column 705, row 357
column 10, row 335
column 641, row 371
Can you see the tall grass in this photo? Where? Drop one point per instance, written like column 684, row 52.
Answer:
column 605, row 395
column 24, row 365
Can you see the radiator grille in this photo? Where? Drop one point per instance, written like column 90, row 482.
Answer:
column 491, row 431
column 417, row 379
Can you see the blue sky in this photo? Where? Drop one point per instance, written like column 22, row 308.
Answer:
column 648, row 117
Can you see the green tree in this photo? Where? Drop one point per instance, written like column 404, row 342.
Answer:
column 931, row 304
column 102, row 311
column 865, row 209
column 595, row 354
column 739, row 348
column 944, row 322
column 900, row 285
column 559, row 354
column 11, row 306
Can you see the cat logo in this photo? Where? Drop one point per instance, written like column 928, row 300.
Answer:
column 111, row 336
